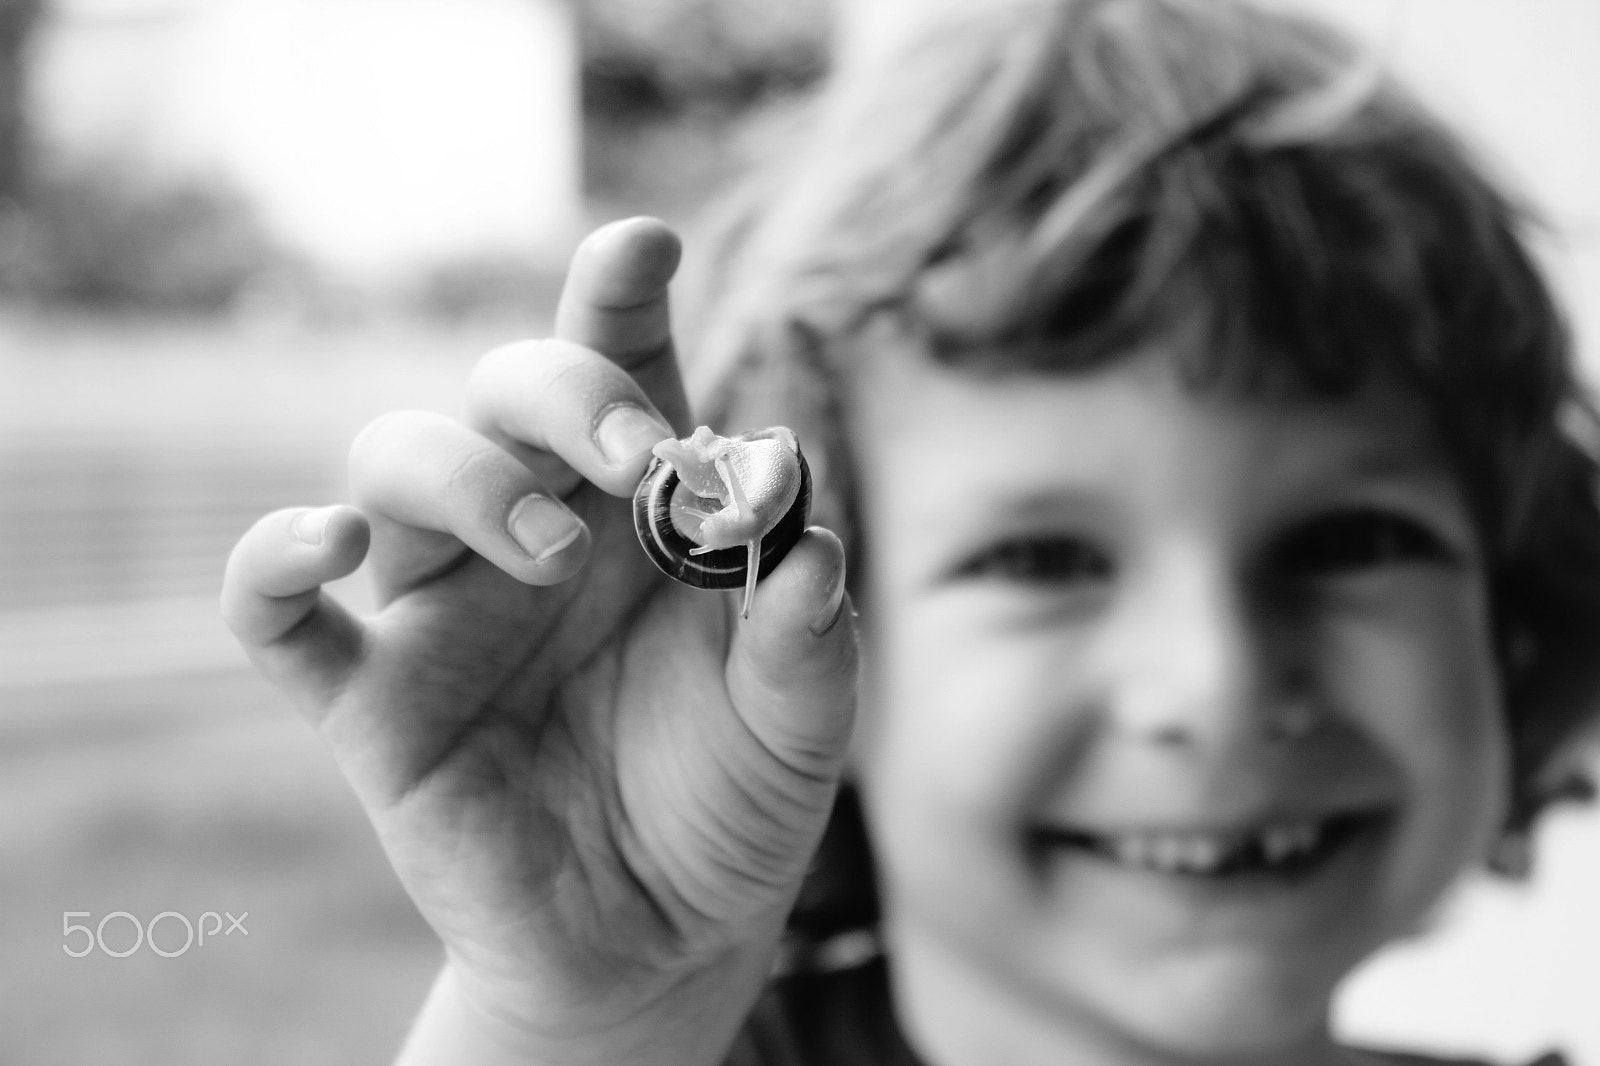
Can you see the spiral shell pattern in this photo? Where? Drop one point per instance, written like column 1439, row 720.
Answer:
column 723, row 568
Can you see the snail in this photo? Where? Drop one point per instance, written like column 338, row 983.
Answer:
column 720, row 512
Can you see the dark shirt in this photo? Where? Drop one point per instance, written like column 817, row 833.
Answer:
column 844, row 1018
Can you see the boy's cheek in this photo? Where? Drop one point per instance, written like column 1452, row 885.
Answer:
column 1422, row 683
column 1418, row 658
column 968, row 718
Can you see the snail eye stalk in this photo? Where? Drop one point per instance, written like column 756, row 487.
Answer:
column 720, row 512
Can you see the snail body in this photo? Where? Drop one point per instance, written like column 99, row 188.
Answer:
column 720, row 512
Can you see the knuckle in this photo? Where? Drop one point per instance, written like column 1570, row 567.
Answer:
column 520, row 357
column 468, row 470
column 584, row 379
column 233, row 577
column 548, row 373
column 242, row 575
column 492, row 367
column 240, row 614
column 255, row 546
column 381, row 439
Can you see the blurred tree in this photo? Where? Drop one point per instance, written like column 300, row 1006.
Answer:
column 667, row 83
column 664, row 55
column 105, row 233
column 17, row 18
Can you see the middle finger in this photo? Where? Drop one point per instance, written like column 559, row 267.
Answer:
column 568, row 413
column 432, row 490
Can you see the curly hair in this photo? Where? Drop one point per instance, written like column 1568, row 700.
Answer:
column 1040, row 186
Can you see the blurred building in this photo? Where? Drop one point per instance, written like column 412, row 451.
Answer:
column 379, row 138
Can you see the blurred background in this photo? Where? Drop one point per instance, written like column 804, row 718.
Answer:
column 233, row 231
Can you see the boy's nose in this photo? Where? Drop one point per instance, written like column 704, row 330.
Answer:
column 1197, row 662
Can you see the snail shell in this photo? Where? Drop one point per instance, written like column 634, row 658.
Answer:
column 668, row 514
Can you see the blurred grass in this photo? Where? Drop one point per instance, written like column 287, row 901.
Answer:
column 222, row 801
column 143, row 767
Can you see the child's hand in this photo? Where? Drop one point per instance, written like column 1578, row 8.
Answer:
column 600, row 787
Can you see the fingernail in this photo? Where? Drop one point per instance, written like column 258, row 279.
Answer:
column 312, row 526
column 625, row 432
column 542, row 527
column 828, row 614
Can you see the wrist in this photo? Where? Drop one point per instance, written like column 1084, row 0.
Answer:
column 692, row 1023
column 451, row 1028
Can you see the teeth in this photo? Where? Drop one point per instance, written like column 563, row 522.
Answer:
column 1306, row 836
column 1203, row 853
column 1283, row 842
column 1171, row 852
column 1277, row 844
column 1206, row 853
column 1133, row 850
column 1168, row 853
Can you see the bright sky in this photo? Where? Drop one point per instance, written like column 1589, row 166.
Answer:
column 376, row 134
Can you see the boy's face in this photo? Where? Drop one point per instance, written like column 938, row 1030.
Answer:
column 1180, row 703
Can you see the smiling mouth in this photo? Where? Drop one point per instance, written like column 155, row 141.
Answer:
column 1285, row 848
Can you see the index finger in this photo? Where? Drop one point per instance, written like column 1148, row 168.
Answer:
column 615, row 298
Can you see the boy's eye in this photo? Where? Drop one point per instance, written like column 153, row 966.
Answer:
column 1055, row 560
column 1354, row 540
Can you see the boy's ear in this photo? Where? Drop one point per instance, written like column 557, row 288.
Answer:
column 1552, row 692
column 1512, row 855
column 1552, row 687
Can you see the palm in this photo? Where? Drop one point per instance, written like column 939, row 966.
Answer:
column 545, row 815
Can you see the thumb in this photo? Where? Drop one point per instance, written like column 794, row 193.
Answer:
column 792, row 665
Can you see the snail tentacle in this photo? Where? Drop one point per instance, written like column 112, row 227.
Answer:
column 751, row 569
